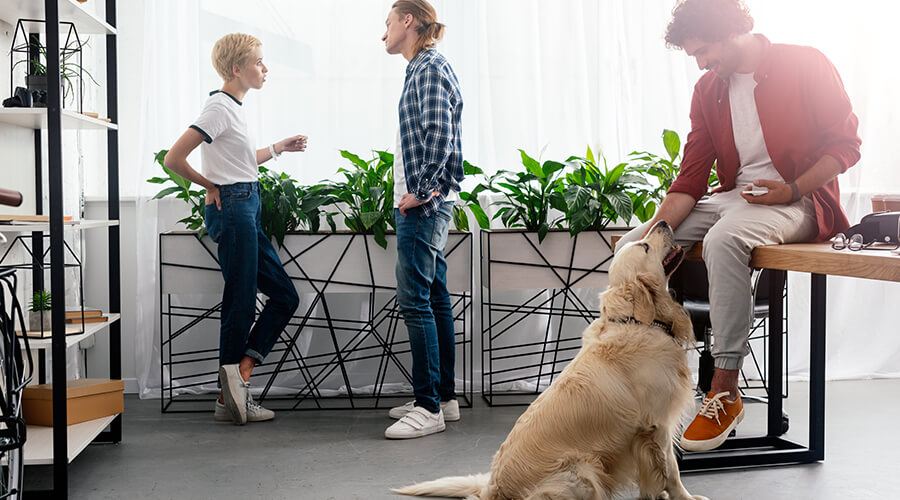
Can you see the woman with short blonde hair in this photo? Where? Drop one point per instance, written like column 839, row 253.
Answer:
column 234, row 49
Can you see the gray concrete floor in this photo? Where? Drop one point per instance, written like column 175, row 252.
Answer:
column 342, row 454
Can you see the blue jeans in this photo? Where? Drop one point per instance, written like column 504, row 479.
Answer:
column 249, row 262
column 424, row 301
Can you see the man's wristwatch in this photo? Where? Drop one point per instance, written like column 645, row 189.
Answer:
column 795, row 191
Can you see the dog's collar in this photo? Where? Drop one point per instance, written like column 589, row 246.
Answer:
column 657, row 323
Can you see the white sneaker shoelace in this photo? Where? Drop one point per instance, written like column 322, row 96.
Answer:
column 252, row 406
column 712, row 406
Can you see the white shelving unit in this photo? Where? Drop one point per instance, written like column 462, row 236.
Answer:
column 69, row 10
column 44, row 442
column 39, row 447
column 36, row 118
column 72, row 335
column 28, row 227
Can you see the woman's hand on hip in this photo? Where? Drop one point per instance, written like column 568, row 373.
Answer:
column 212, row 196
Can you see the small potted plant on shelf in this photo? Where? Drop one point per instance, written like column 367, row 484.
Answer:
column 72, row 74
column 39, row 312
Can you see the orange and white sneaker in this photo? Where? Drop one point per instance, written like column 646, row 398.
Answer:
column 715, row 420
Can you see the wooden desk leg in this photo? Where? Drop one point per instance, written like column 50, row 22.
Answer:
column 817, row 367
column 776, row 351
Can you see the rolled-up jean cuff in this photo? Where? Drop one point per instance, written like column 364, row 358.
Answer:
column 255, row 355
column 729, row 362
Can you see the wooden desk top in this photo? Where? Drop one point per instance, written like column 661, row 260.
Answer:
column 820, row 258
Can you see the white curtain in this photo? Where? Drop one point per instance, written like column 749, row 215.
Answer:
column 547, row 77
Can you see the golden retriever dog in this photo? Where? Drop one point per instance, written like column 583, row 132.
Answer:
column 610, row 419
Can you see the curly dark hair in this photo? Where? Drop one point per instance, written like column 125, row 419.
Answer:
column 707, row 20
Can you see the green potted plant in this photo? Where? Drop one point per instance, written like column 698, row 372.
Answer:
column 70, row 71
column 556, row 216
column 196, row 198
column 596, row 197
column 470, row 200
column 527, row 197
column 39, row 311
column 664, row 170
column 366, row 195
column 286, row 206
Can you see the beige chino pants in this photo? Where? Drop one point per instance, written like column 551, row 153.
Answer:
column 730, row 228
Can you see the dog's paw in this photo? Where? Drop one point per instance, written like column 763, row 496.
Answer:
column 699, row 497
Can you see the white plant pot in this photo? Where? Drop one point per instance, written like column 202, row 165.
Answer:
column 330, row 262
column 513, row 259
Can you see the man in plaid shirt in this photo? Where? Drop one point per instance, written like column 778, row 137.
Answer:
column 430, row 119
column 428, row 167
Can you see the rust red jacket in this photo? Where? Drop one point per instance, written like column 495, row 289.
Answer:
column 805, row 114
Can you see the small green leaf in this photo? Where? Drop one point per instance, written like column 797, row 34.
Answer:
column 480, row 216
column 160, row 156
column 576, row 197
column 369, row 219
column 386, row 157
column 469, row 169
column 621, row 203
column 460, row 219
column 542, row 232
column 379, row 236
column 672, row 143
column 167, row 192
column 551, row 167
column 531, row 164
column 356, row 160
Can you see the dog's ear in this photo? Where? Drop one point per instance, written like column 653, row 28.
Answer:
column 643, row 299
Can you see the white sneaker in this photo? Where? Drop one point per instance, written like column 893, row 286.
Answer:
column 450, row 409
column 234, row 392
column 416, row 423
column 255, row 412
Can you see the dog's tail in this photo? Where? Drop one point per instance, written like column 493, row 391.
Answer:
column 454, row 487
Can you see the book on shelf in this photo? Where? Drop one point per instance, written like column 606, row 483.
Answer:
column 87, row 319
column 89, row 312
column 21, row 218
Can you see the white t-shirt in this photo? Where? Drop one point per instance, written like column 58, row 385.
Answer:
column 748, row 135
column 229, row 155
column 400, row 177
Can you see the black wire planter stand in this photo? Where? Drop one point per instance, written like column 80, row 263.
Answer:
column 525, row 282
column 335, row 359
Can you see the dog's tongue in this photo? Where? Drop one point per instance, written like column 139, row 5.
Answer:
column 673, row 253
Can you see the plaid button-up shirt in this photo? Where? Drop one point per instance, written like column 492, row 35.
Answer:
column 430, row 129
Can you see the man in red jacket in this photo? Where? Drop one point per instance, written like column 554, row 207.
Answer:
column 776, row 122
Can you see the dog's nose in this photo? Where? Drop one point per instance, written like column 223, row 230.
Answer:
column 663, row 223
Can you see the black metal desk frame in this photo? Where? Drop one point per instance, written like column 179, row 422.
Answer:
column 772, row 449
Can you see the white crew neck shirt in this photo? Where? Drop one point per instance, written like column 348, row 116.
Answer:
column 229, row 154
column 748, row 135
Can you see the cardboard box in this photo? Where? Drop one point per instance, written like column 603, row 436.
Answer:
column 86, row 399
